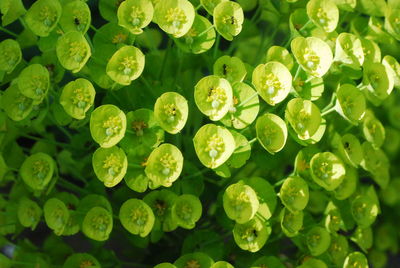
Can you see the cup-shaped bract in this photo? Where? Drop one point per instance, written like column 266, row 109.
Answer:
column 171, row 111
column 313, row 263
column 240, row 202
column 291, row 223
column 372, row 52
column 164, row 165
column 364, row 210
column 200, row 37
column 327, row 170
column 213, row 96
column 349, row 51
column 268, row 261
column 349, row 184
column 16, row 105
column 97, row 224
column 29, row 213
column 75, row 16
column 110, row 165
column 174, row 17
column 214, row 145
column 135, row 15
column 228, row 19
column 364, row 238
column 230, row 68
column 271, row 132
column 378, row 82
column 333, row 219
column 161, row 203
column 349, row 149
column 313, row 54
column 280, row 54
column 377, row 163
column 209, row 5
column 126, row 65
column 324, row 14
column 56, row 215
column 338, row 249
column 222, row 264
column 11, row 10
column 294, row 193
column 73, row 51
column 136, row 217
column 81, row 260
column 77, row 97
column 304, row 117
column 245, row 106
column 165, row 265
column 356, row 259
column 196, row 259
column 272, row 81
column 373, row 130
column 392, row 64
column 187, row 210
column 350, row 103
column 34, row 82
column 107, row 125
column 42, row 17
column 10, row 55
column 318, row 240
column 37, row 170
column 252, row 235
column 392, row 21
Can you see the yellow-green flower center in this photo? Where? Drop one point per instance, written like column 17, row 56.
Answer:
column 137, row 16
column 184, row 211
column 171, row 111
column 249, row 235
column 40, row 169
column 139, row 216
column 192, row 264
column 314, row 239
column 8, row 57
column 176, row 17
column 138, row 127
column 80, row 19
column 77, row 50
column 127, row 65
column 240, row 200
column 269, row 135
column 38, row 83
column 113, row 164
column 215, row 145
column 271, row 83
column 323, row 18
column 119, row 38
column 216, row 96
column 168, row 164
column 100, row 222
column 161, row 207
column 47, row 16
column 86, row 264
column 80, row 98
column 311, row 60
column 112, row 125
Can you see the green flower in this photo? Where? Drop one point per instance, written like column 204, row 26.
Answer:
column 135, row 15
column 73, row 51
column 348, row 148
column 349, row 51
column 200, row 37
column 97, row 224
column 271, row 132
column 29, row 213
column 222, row 264
column 313, row 54
column 164, row 165
column 304, row 117
column 143, row 132
column 356, row 259
column 350, row 103
column 174, row 17
column 77, row 97
column 378, row 82
column 392, row 20
column 110, row 165
column 338, row 249
column 393, row 65
column 318, row 240
column 108, row 9
column 268, row 261
column 230, row 68
column 165, row 265
column 245, row 107
column 16, row 105
column 252, row 235
column 112, row 35
column 37, row 170
column 161, row 203
column 333, row 218
column 273, row 81
column 75, row 16
column 56, row 215
column 291, row 223
column 327, row 170
column 294, row 194
column 364, row 210
column 11, row 10
column 34, row 82
column 136, row 217
column 126, row 65
column 373, row 130
column 213, row 145
column 313, row 263
column 364, row 238
column 280, row 54
column 228, row 19
column 240, row 202
column 376, row 162
column 10, row 55
column 42, row 17
column 213, row 96
column 171, row 111
column 324, row 14
column 209, row 5
column 81, row 260
column 372, row 52
column 186, row 211
column 197, row 260
column 107, row 125
column 347, row 5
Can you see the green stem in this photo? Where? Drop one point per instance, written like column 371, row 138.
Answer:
column 328, row 111
column 205, row 31
column 255, row 94
column 331, row 102
column 168, row 49
column 135, row 166
column 63, row 145
column 305, row 26
column 252, row 141
column 8, row 32
column 147, row 84
column 197, row 8
column 89, row 42
column 216, row 45
column 279, row 183
column 297, row 73
column 204, row 170
column 66, row 184
column 93, row 28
